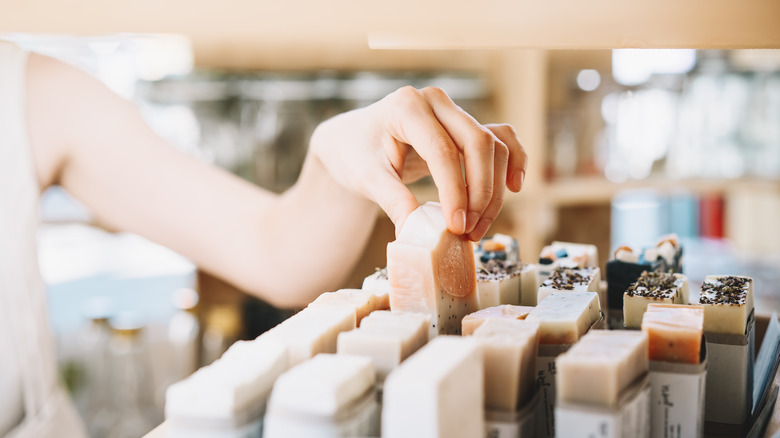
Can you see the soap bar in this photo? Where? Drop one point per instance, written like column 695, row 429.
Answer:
column 363, row 302
column 388, row 338
column 498, row 247
column 674, row 332
column 311, row 331
column 727, row 301
column 652, row 287
column 582, row 255
column 432, row 270
column 601, row 365
column 473, row 320
column 498, row 283
column 437, row 392
column 564, row 317
column 324, row 386
column 569, row 279
column 378, row 284
column 510, row 349
column 237, row 382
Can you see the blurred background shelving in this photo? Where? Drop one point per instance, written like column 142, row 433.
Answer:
column 692, row 147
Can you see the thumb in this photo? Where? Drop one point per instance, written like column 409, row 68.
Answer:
column 394, row 198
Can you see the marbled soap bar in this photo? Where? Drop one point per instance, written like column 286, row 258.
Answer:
column 472, row 321
column 432, row 270
column 674, row 332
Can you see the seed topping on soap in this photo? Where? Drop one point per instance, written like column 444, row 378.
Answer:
column 567, row 278
column 497, row 269
column 661, row 285
column 725, row 290
column 381, row 273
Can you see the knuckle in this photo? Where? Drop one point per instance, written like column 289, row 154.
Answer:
column 435, row 92
column 482, row 138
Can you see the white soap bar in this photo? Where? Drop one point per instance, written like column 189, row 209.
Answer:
column 727, row 301
column 237, row 382
column 564, row 317
column 529, row 284
column 498, row 283
column 567, row 279
column 473, row 320
column 323, row 386
column 656, row 288
column 601, row 365
column 379, row 284
column 582, row 254
column 437, row 392
column 432, row 270
column 311, row 331
column 388, row 339
column 510, row 349
column 363, row 302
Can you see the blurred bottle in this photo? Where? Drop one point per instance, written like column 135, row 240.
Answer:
column 130, row 380
column 222, row 329
column 97, row 408
column 183, row 332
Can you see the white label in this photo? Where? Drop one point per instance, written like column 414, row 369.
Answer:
column 628, row 421
column 677, row 404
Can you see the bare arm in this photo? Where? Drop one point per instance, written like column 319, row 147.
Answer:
column 284, row 248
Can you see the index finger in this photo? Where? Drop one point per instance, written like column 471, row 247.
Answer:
column 416, row 124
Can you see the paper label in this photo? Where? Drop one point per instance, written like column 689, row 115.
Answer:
column 729, row 393
column 677, row 404
column 545, row 381
column 631, row 419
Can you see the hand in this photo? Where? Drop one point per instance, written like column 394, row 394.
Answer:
column 375, row 151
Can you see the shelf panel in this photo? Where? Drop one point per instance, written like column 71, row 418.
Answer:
column 595, row 24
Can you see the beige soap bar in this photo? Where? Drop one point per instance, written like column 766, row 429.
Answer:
column 601, row 365
column 437, row 392
column 652, row 287
column 363, row 302
column 473, row 320
column 564, row 317
column 323, row 386
column 510, row 349
column 379, row 284
column 674, row 332
column 388, row 338
column 432, row 270
column 311, row 331
column 727, row 301
column 570, row 279
column 229, row 387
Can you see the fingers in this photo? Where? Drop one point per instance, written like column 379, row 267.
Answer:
column 476, row 143
column 393, row 197
column 501, row 160
column 417, row 125
column 518, row 159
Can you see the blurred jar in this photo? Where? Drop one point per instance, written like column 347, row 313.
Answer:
column 94, row 339
column 221, row 330
column 130, row 379
column 278, row 114
column 195, row 112
column 183, row 332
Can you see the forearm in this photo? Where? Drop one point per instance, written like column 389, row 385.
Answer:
column 314, row 235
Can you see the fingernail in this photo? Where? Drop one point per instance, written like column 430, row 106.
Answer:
column 481, row 229
column 519, row 179
column 459, row 221
column 471, row 221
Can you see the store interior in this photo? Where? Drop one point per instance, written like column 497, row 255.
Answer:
column 625, row 145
